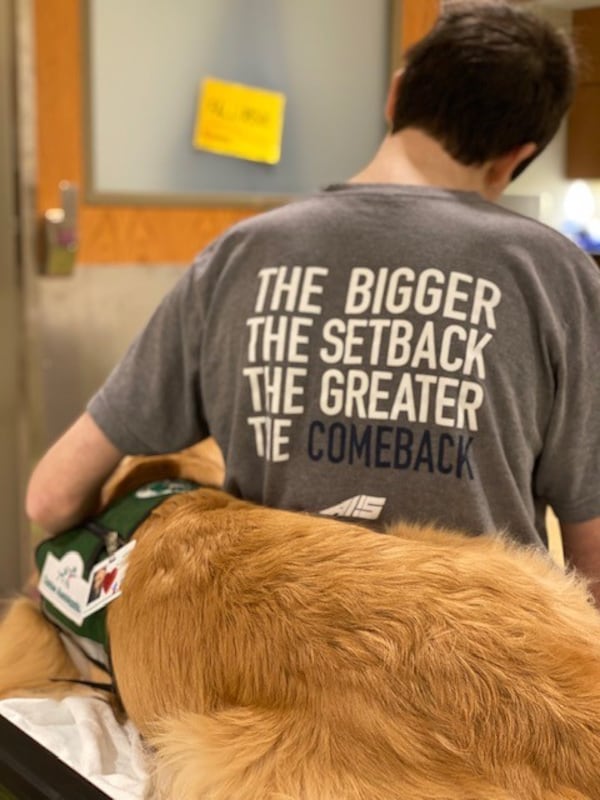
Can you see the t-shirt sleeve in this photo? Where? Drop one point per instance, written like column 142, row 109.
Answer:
column 151, row 401
column 568, row 470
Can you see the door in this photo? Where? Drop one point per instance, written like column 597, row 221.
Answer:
column 130, row 252
column 121, row 233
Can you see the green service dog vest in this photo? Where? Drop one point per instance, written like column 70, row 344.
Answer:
column 81, row 570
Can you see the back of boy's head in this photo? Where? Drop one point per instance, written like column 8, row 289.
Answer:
column 487, row 78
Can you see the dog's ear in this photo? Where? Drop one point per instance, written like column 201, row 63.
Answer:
column 202, row 463
column 135, row 471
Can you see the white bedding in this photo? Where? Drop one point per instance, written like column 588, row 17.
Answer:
column 84, row 733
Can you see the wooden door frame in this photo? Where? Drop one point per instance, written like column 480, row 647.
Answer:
column 127, row 233
column 11, row 315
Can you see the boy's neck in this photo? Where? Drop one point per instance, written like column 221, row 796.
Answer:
column 413, row 158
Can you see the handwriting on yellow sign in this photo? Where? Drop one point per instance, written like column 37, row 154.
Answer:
column 239, row 121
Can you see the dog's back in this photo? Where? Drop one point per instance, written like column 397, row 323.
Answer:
column 276, row 655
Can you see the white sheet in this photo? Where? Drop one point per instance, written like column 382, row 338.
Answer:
column 84, row 733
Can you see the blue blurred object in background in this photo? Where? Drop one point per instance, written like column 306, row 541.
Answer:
column 581, row 224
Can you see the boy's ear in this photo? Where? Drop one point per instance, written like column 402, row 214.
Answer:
column 390, row 103
column 500, row 170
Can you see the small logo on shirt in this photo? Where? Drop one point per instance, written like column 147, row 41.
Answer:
column 361, row 506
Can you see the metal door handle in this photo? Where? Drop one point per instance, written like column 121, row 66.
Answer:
column 61, row 239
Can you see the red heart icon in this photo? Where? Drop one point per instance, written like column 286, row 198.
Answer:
column 108, row 579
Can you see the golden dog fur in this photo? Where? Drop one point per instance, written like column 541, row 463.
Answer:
column 269, row 655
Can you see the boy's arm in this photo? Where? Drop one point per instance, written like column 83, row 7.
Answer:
column 65, row 485
column 581, row 545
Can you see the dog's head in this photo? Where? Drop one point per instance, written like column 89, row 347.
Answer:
column 202, row 463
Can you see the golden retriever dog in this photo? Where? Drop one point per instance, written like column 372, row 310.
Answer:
column 273, row 655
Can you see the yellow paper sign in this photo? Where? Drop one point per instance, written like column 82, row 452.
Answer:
column 239, row 121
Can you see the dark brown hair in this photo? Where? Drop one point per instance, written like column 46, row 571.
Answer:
column 486, row 79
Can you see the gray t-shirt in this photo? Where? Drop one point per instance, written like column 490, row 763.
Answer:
column 380, row 352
